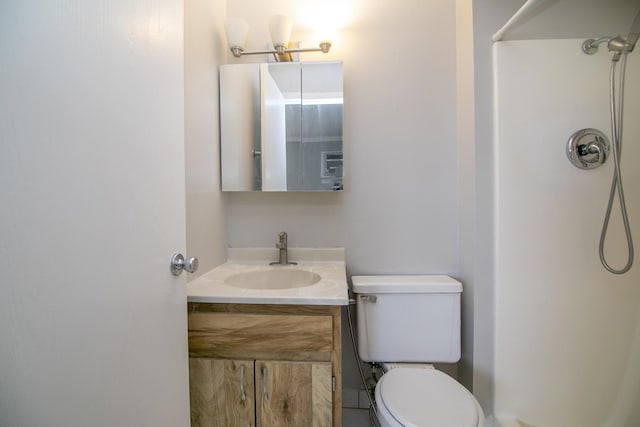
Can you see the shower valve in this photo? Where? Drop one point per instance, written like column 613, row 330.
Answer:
column 588, row 148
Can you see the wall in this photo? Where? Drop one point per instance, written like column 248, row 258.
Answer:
column 567, row 333
column 398, row 213
column 204, row 50
column 465, row 116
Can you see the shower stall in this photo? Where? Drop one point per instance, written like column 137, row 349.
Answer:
column 567, row 331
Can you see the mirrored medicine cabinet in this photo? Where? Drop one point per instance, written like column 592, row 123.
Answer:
column 281, row 126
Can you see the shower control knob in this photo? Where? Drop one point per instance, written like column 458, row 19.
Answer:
column 178, row 263
column 588, row 148
column 594, row 147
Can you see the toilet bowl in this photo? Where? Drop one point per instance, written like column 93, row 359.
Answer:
column 422, row 397
column 414, row 319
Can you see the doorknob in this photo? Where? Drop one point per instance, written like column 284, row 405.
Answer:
column 178, row 263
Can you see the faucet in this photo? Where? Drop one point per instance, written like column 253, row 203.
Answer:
column 283, row 257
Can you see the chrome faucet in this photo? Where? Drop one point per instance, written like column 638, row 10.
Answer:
column 283, row 257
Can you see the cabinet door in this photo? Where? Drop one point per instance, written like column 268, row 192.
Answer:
column 221, row 392
column 293, row 394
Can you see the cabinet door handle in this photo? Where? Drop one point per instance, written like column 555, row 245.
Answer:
column 243, row 395
column 265, row 394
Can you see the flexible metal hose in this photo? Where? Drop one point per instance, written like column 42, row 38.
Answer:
column 616, row 133
column 372, row 407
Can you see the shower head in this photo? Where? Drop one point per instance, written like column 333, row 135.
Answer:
column 618, row 45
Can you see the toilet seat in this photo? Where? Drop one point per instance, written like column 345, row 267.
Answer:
column 423, row 398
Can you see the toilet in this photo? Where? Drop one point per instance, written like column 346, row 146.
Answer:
column 405, row 323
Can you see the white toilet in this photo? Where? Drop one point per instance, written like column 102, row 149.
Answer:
column 404, row 323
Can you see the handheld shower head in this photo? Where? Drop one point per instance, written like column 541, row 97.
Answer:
column 634, row 33
column 618, row 45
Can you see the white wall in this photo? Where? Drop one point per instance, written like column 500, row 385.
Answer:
column 398, row 213
column 465, row 115
column 567, row 333
column 204, row 50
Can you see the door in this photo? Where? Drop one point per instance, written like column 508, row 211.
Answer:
column 293, row 394
column 92, row 324
column 221, row 392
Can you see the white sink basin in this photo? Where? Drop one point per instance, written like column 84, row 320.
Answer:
column 274, row 278
column 247, row 278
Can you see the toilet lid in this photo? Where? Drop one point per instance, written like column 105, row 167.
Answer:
column 427, row 397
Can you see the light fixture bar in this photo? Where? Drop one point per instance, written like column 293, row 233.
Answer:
column 324, row 47
column 280, row 28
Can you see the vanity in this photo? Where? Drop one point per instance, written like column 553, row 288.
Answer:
column 265, row 340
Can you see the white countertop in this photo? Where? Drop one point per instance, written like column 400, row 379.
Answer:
column 328, row 263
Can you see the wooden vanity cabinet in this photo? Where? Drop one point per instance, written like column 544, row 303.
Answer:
column 264, row 365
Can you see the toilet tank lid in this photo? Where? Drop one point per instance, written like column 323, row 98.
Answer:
column 423, row 284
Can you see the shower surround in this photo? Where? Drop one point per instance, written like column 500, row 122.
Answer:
column 567, row 332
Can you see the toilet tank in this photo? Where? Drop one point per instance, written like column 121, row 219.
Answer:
column 408, row 318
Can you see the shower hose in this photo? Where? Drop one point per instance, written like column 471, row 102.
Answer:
column 616, row 133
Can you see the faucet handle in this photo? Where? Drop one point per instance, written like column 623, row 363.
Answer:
column 282, row 243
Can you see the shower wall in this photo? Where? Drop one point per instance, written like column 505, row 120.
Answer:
column 567, row 333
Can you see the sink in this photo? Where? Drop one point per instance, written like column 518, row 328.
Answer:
column 274, row 278
column 247, row 278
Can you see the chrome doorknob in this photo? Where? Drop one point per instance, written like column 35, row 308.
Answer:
column 178, row 263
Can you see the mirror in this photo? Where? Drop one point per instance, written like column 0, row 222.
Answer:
column 281, row 126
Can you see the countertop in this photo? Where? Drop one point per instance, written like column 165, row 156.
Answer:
column 328, row 263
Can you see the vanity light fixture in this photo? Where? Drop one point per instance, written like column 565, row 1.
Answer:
column 280, row 28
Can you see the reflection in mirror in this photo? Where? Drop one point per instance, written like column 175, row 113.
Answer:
column 281, row 127
column 240, row 128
